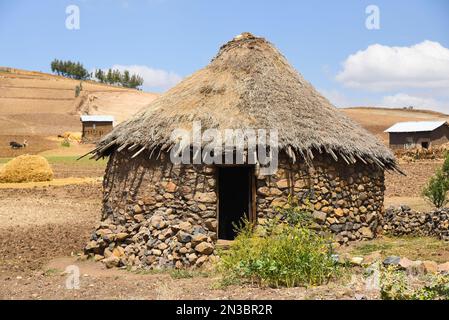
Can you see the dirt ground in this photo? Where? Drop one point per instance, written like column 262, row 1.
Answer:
column 99, row 283
column 42, row 229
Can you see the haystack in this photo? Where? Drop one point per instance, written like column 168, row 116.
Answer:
column 26, row 168
column 160, row 214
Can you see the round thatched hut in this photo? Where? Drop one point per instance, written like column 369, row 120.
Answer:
column 160, row 213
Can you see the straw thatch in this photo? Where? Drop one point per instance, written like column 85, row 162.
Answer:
column 250, row 84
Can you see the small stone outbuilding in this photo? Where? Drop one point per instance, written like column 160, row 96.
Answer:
column 94, row 127
column 160, row 214
column 418, row 134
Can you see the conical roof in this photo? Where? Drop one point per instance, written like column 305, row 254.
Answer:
column 250, row 84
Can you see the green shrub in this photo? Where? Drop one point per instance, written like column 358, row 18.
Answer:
column 394, row 285
column 445, row 167
column 65, row 143
column 436, row 189
column 279, row 254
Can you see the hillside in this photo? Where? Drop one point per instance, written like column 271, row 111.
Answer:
column 377, row 120
column 37, row 106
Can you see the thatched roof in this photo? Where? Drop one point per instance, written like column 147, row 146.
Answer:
column 250, row 84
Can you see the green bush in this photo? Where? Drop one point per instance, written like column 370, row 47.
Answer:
column 65, row 143
column 445, row 167
column 436, row 189
column 279, row 254
column 394, row 285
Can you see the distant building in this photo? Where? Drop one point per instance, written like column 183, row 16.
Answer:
column 95, row 127
column 421, row 134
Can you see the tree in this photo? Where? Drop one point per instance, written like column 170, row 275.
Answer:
column 69, row 69
column 125, row 78
column 437, row 188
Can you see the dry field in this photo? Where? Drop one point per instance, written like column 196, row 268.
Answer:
column 38, row 107
column 377, row 120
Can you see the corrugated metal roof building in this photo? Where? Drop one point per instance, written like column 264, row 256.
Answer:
column 96, row 126
column 424, row 134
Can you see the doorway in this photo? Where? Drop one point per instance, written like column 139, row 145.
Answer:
column 236, row 194
column 425, row 144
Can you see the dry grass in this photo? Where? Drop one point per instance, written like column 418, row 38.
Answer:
column 26, row 168
column 415, row 248
column 54, row 182
column 415, row 203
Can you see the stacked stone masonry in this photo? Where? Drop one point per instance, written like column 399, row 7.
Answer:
column 156, row 214
column 404, row 221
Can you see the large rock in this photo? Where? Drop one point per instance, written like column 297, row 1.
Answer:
column 183, row 237
column 282, row 184
column 158, row 222
column 429, row 267
column 443, row 268
column 319, row 216
column 366, row 233
column 392, row 261
column 111, row 262
column 206, row 197
column 339, row 212
column 198, row 238
column 204, row 248
column 211, row 224
column 170, row 187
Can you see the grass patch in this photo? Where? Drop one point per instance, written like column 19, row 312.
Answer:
column 174, row 273
column 52, row 272
column 185, row 274
column 415, row 248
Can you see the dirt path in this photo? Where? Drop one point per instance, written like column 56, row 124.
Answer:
column 96, row 282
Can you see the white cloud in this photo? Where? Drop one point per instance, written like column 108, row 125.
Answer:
column 153, row 78
column 381, row 68
column 404, row 100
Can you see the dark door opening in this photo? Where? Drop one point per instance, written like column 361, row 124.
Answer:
column 425, row 144
column 235, row 192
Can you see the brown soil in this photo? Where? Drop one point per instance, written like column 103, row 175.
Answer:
column 411, row 185
column 41, row 223
column 96, row 282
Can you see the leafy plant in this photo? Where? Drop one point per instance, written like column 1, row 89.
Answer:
column 284, row 252
column 394, row 285
column 437, row 188
column 445, row 167
column 65, row 143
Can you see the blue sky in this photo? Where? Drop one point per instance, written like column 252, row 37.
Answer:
column 405, row 62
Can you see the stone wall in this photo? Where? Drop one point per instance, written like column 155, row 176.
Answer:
column 346, row 200
column 156, row 214
column 404, row 221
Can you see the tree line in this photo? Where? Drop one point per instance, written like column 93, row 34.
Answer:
column 76, row 70
column 69, row 69
column 115, row 77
